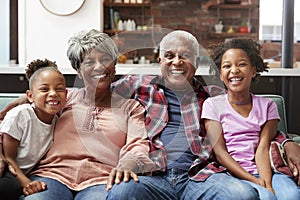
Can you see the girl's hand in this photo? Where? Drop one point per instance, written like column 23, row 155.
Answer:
column 268, row 186
column 271, row 189
column 34, row 187
column 261, row 182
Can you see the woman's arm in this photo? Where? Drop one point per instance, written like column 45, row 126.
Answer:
column 216, row 138
column 19, row 101
column 262, row 157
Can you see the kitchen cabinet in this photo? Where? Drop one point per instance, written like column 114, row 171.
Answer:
column 234, row 15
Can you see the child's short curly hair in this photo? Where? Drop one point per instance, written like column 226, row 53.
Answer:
column 251, row 47
column 38, row 64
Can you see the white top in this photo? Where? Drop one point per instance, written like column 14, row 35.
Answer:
column 34, row 135
column 241, row 134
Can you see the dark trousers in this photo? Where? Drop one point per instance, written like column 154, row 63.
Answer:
column 10, row 188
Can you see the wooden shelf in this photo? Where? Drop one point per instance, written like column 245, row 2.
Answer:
column 232, row 15
column 111, row 4
column 112, row 32
column 231, row 35
column 233, row 6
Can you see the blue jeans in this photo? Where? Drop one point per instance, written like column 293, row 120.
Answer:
column 56, row 190
column 175, row 184
column 285, row 188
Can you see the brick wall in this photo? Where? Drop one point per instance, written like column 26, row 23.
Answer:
column 271, row 49
column 196, row 17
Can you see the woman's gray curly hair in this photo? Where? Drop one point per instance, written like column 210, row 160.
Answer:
column 87, row 40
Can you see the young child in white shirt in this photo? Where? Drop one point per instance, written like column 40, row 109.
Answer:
column 27, row 129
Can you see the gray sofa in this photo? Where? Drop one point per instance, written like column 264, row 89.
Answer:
column 279, row 100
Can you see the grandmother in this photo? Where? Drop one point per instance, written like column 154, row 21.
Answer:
column 96, row 132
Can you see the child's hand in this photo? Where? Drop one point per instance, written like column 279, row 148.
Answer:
column 34, row 187
column 271, row 189
column 266, row 185
column 261, row 182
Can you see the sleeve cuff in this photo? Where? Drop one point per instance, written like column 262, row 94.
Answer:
column 285, row 141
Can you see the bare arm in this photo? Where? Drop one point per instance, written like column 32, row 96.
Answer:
column 21, row 100
column 292, row 150
column 3, row 160
column 262, row 157
column 10, row 147
column 215, row 135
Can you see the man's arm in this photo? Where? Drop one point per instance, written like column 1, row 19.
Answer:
column 292, row 151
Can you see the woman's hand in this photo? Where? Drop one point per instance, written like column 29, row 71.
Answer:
column 34, row 187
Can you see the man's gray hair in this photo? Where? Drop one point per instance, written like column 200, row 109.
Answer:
column 175, row 35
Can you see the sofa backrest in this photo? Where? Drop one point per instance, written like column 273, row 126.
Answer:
column 6, row 98
column 279, row 100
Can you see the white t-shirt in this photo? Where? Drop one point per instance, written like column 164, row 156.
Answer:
column 241, row 134
column 35, row 136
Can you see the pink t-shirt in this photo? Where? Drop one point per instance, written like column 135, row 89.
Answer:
column 88, row 143
column 241, row 133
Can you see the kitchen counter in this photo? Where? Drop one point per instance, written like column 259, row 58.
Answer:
column 154, row 69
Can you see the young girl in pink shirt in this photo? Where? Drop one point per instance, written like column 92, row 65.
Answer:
column 240, row 125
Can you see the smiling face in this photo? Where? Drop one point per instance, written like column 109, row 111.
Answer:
column 97, row 71
column 48, row 93
column 178, row 63
column 236, row 71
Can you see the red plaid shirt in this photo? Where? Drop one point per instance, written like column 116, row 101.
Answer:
column 148, row 91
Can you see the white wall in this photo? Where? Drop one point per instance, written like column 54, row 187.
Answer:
column 45, row 35
column 4, row 31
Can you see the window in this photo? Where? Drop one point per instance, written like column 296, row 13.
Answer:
column 271, row 20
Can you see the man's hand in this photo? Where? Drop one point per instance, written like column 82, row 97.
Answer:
column 34, row 187
column 116, row 176
column 292, row 150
